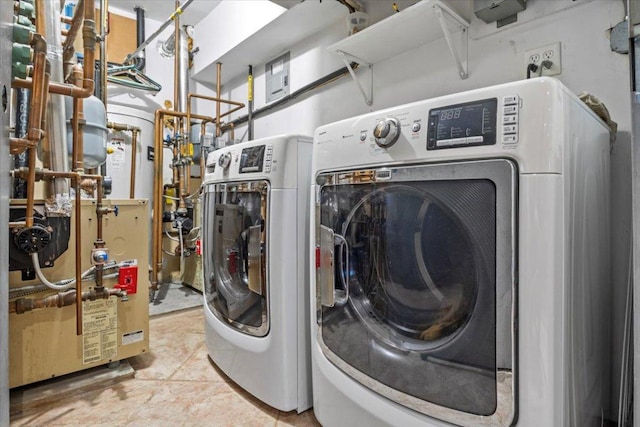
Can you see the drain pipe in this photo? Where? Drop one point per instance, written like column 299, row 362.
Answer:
column 140, row 61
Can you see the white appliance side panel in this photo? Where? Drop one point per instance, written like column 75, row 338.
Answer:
column 588, row 283
column 303, row 163
column 541, row 299
column 266, row 366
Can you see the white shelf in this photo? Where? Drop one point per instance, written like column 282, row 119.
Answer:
column 422, row 23
column 275, row 38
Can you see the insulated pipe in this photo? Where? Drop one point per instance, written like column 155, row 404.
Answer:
column 68, row 46
column 58, row 190
column 174, row 15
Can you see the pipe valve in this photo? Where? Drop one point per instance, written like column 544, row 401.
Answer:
column 99, row 256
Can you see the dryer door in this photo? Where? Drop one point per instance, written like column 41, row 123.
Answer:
column 416, row 284
column 235, row 238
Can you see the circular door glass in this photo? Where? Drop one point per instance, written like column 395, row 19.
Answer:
column 412, row 273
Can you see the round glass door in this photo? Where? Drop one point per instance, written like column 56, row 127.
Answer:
column 412, row 275
column 414, row 279
column 234, row 253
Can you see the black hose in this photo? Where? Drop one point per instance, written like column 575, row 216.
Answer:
column 286, row 99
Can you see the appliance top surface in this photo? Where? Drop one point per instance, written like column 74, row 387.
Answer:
column 274, row 159
column 530, row 121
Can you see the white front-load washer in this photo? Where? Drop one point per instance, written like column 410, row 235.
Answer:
column 461, row 247
column 255, row 240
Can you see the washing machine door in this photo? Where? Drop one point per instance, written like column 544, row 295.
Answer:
column 234, row 252
column 416, row 285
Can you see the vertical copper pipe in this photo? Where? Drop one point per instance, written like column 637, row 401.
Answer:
column 156, row 260
column 134, row 149
column 78, row 237
column 158, row 185
column 76, row 23
column 40, row 17
column 38, row 107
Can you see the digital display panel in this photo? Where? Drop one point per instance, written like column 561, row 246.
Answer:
column 252, row 159
column 462, row 125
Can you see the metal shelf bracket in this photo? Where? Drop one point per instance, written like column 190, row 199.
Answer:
column 347, row 59
column 460, row 51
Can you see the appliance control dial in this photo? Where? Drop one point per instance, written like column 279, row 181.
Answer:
column 225, row 160
column 387, row 132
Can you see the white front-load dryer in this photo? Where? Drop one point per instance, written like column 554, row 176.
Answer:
column 461, row 252
column 256, row 297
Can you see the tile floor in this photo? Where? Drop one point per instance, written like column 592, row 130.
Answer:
column 175, row 384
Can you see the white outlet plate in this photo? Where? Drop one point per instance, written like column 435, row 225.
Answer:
column 549, row 52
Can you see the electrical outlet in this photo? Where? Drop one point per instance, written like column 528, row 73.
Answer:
column 551, row 53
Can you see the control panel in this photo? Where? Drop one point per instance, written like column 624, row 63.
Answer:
column 510, row 110
column 463, row 125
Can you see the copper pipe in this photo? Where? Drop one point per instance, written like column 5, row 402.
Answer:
column 37, row 107
column 158, row 185
column 66, row 19
column 232, row 128
column 78, row 228
column 65, row 32
column 40, row 17
column 21, row 144
column 63, row 299
column 76, row 23
column 89, row 43
column 239, row 105
column 134, row 149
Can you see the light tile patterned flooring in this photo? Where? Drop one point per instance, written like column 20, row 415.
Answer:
column 175, row 384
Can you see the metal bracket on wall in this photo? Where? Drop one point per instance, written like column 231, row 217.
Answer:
column 347, row 59
column 460, row 52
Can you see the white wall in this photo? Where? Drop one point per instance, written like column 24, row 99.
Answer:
column 495, row 56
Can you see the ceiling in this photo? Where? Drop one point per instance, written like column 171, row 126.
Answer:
column 160, row 10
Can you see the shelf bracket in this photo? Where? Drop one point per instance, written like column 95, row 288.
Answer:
column 347, row 59
column 460, row 55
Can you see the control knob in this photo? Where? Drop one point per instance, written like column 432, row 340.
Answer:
column 225, row 160
column 387, row 132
